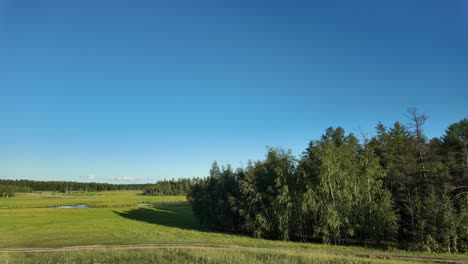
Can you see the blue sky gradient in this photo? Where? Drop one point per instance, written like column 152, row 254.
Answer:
column 136, row 91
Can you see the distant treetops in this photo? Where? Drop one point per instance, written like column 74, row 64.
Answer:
column 8, row 188
column 170, row 187
column 17, row 186
column 394, row 187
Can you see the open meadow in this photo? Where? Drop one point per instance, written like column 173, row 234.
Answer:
column 115, row 229
column 91, row 199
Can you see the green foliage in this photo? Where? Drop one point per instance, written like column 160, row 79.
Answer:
column 265, row 203
column 454, row 149
column 396, row 186
column 169, row 187
column 335, row 191
column 7, row 191
column 349, row 201
column 66, row 186
column 213, row 199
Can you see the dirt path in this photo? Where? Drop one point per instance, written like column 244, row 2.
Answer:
column 211, row 246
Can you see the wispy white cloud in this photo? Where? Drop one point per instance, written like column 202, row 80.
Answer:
column 126, row 178
column 89, row 177
column 93, row 177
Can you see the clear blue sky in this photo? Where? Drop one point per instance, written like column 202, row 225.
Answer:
column 136, row 91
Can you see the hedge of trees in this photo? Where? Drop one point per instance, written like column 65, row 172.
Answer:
column 7, row 191
column 66, row 186
column 164, row 187
column 170, row 187
column 397, row 186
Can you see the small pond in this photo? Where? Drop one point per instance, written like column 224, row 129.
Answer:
column 74, row 206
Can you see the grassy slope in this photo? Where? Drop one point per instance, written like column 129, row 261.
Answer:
column 46, row 227
column 51, row 227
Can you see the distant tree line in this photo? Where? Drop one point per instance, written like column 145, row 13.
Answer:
column 164, row 187
column 66, row 186
column 7, row 191
column 170, row 187
column 396, row 186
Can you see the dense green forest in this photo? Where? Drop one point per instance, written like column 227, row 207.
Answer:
column 170, row 187
column 396, row 187
column 64, row 186
column 8, row 188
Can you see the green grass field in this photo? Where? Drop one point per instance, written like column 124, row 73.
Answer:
column 170, row 229
column 92, row 199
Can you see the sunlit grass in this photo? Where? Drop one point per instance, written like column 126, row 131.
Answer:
column 92, row 199
column 187, row 255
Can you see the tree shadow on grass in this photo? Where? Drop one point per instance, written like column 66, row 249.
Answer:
column 180, row 217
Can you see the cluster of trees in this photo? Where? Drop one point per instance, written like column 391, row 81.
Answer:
column 170, row 187
column 7, row 191
column 66, row 186
column 396, row 186
column 165, row 187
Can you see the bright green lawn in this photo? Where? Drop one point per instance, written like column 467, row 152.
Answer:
column 50, row 227
column 169, row 224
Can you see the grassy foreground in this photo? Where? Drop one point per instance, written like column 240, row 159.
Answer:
column 198, row 255
column 177, row 236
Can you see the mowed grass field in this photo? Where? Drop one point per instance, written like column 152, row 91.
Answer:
column 116, row 230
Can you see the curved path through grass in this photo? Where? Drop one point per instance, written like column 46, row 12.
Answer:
column 375, row 255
